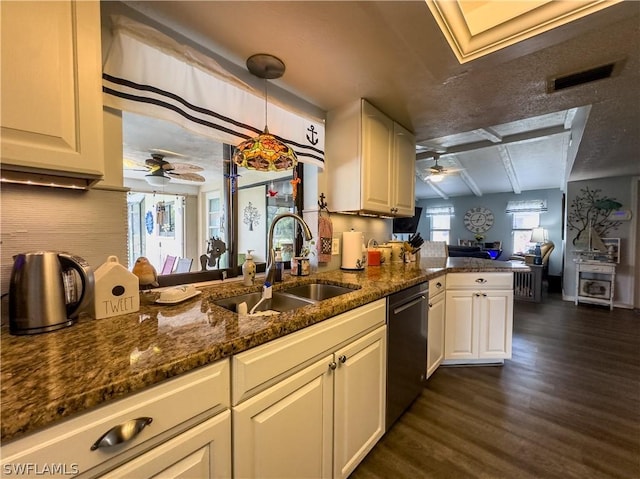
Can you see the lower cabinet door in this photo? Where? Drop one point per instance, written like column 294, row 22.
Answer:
column 287, row 430
column 435, row 335
column 360, row 395
column 461, row 338
column 203, row 451
column 496, row 325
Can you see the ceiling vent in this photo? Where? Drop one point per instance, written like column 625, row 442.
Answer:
column 586, row 76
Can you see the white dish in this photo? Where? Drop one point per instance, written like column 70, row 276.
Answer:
column 178, row 300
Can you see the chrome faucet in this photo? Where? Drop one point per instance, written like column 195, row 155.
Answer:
column 271, row 271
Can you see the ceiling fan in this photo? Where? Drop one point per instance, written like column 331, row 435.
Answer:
column 160, row 171
column 436, row 172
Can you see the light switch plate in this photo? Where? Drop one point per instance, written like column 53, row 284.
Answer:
column 335, row 246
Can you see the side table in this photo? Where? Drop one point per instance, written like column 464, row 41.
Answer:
column 595, row 282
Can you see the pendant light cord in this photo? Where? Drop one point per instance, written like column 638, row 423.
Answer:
column 266, row 103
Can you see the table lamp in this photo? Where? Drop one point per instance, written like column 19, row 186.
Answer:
column 538, row 236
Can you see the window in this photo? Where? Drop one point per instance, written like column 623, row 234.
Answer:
column 440, row 226
column 523, row 223
column 440, row 222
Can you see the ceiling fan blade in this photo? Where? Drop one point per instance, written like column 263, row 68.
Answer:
column 130, row 164
column 187, row 176
column 186, row 167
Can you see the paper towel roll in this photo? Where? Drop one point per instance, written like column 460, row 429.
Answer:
column 353, row 251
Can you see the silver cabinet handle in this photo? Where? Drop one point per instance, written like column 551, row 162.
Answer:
column 431, row 305
column 342, row 359
column 122, row 432
column 481, row 280
column 332, row 365
column 477, row 295
column 438, row 285
column 484, row 294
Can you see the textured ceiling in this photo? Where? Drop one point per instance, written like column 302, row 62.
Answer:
column 394, row 54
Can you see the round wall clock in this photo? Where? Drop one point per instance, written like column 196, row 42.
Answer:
column 478, row 220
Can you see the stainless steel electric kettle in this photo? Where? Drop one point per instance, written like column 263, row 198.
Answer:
column 47, row 291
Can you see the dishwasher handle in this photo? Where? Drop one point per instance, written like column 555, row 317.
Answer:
column 401, row 308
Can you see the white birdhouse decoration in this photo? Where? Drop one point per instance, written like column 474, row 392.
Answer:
column 116, row 290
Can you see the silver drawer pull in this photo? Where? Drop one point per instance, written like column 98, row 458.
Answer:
column 438, row 285
column 333, row 365
column 122, row 432
column 342, row 359
column 481, row 280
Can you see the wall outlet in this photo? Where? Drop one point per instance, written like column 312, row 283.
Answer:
column 335, row 246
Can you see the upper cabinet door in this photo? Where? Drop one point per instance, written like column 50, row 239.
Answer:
column 51, row 86
column 377, row 171
column 369, row 161
column 404, row 163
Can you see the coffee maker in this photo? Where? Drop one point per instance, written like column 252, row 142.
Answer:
column 47, row 291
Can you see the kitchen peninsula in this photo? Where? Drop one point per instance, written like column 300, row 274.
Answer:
column 49, row 377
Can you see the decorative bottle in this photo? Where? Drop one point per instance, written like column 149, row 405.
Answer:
column 248, row 270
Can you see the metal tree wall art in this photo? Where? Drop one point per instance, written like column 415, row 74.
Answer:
column 589, row 209
column 251, row 216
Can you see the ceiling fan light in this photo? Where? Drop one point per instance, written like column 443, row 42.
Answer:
column 157, row 180
column 436, row 178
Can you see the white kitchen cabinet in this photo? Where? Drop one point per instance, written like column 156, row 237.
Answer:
column 435, row 325
column 179, row 408
column 370, row 160
column 287, row 430
column 321, row 416
column 360, row 400
column 478, row 318
column 204, row 451
column 51, row 88
column 404, row 163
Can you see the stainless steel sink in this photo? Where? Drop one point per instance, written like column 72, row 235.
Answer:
column 318, row 291
column 278, row 302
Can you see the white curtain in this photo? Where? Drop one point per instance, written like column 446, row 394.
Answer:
column 149, row 73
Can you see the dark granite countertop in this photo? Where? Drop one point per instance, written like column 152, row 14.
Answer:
column 55, row 375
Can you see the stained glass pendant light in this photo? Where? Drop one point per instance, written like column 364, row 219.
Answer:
column 265, row 152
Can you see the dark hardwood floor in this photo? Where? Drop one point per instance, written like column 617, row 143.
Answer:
column 567, row 405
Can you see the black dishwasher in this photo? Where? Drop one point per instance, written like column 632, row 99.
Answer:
column 407, row 316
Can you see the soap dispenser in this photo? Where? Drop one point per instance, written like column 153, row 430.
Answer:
column 279, row 266
column 248, row 270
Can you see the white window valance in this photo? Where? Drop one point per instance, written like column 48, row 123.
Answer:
column 149, row 73
column 527, row 206
column 439, row 210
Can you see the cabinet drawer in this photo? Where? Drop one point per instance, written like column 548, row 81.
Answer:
column 597, row 268
column 256, row 369
column 480, row 280
column 168, row 404
column 437, row 286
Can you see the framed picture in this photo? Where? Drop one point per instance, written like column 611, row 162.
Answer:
column 595, row 288
column 613, row 250
column 252, row 221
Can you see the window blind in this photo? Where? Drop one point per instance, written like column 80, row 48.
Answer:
column 439, row 210
column 527, row 206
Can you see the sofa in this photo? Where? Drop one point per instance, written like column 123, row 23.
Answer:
column 468, row 252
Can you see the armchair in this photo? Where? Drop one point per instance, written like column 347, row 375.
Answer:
column 545, row 249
